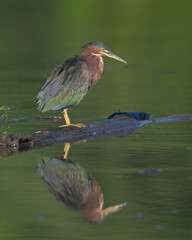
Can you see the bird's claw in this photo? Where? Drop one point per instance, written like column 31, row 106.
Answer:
column 79, row 125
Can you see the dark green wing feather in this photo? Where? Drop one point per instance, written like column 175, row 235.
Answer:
column 66, row 180
column 66, row 85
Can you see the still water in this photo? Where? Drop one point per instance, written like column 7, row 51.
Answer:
column 150, row 169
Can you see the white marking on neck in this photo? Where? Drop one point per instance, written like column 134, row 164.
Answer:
column 95, row 54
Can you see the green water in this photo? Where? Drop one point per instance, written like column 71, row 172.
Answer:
column 154, row 37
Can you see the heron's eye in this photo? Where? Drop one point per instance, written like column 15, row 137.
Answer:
column 104, row 50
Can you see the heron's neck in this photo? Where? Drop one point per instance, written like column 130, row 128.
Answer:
column 92, row 208
column 95, row 64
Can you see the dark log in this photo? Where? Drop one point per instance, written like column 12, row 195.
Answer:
column 117, row 124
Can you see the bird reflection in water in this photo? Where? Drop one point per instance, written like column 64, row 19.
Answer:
column 72, row 185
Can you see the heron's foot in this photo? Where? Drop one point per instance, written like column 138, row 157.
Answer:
column 79, row 125
column 81, row 141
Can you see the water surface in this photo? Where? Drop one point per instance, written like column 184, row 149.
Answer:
column 155, row 39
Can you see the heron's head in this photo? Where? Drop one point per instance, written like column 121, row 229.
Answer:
column 99, row 49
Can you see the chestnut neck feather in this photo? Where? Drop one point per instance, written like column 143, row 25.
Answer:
column 94, row 62
column 93, row 207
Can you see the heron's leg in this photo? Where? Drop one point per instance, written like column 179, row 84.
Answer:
column 67, row 120
column 65, row 151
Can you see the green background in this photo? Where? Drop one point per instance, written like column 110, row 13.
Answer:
column 154, row 37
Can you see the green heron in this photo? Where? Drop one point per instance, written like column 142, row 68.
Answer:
column 69, row 82
column 73, row 186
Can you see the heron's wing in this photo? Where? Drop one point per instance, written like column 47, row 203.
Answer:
column 66, row 180
column 66, row 85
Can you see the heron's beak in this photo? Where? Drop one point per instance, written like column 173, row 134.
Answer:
column 112, row 55
column 112, row 209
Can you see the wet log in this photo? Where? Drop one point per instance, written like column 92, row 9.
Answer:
column 120, row 123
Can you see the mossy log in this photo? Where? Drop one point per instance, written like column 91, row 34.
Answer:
column 120, row 123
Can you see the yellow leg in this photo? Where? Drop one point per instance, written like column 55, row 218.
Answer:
column 65, row 114
column 67, row 120
column 66, row 150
